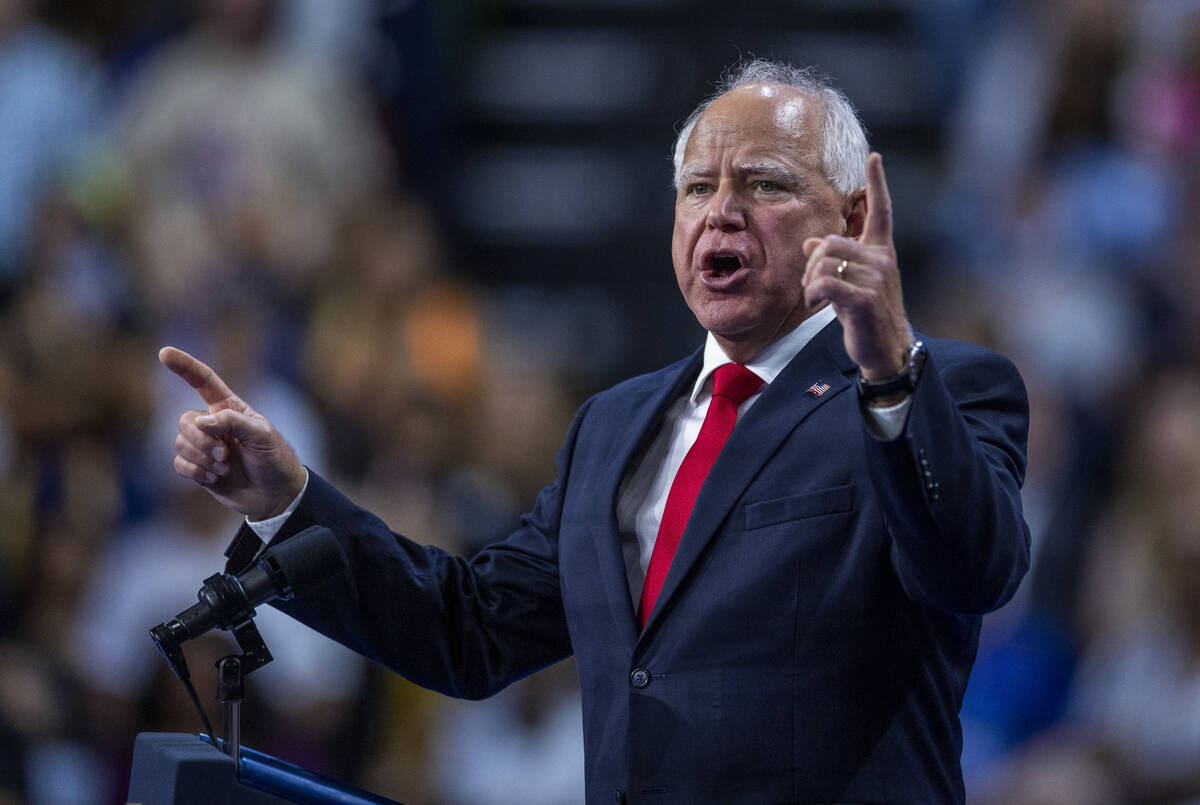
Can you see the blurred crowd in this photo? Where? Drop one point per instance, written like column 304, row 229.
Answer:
column 228, row 185
column 222, row 177
column 1068, row 242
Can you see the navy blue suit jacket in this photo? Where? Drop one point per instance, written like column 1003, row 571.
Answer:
column 818, row 624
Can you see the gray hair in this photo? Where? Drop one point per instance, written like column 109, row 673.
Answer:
column 844, row 140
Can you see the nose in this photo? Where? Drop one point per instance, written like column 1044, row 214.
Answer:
column 726, row 211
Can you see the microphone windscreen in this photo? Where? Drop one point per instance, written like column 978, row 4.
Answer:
column 307, row 558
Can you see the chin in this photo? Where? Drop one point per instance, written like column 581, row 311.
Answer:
column 728, row 318
column 731, row 332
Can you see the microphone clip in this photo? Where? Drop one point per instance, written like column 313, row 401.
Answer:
column 255, row 653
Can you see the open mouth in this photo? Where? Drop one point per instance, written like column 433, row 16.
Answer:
column 722, row 265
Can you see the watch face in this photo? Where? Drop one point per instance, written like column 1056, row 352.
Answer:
column 916, row 362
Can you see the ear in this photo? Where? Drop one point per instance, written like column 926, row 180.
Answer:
column 854, row 212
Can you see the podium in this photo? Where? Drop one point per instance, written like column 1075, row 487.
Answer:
column 172, row 768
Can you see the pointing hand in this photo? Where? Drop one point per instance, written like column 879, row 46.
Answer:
column 230, row 449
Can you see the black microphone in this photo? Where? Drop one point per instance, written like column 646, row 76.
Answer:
column 227, row 602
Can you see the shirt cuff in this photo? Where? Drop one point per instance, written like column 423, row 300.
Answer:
column 885, row 424
column 267, row 529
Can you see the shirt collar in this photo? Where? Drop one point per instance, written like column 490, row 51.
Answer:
column 768, row 363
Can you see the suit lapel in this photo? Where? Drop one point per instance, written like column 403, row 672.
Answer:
column 787, row 402
column 638, row 424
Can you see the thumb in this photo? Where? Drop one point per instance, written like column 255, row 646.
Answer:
column 250, row 430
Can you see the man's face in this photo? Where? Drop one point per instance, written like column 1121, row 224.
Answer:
column 751, row 189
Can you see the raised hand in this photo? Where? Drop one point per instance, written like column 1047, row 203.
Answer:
column 865, row 292
column 231, row 450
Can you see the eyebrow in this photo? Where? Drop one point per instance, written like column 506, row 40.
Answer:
column 766, row 169
column 690, row 172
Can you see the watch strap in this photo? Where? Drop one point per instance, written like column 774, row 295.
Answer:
column 903, row 383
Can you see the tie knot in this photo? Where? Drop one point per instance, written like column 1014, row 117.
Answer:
column 735, row 382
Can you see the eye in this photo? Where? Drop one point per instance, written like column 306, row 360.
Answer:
column 767, row 186
column 699, row 189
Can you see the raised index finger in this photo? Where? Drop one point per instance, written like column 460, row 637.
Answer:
column 878, row 226
column 204, row 380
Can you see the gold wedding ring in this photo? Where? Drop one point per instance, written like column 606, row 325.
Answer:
column 841, row 269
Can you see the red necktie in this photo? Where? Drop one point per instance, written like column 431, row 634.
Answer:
column 732, row 384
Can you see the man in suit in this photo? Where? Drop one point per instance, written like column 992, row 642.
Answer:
column 781, row 610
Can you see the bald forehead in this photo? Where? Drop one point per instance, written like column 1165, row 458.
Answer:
column 773, row 114
column 789, row 106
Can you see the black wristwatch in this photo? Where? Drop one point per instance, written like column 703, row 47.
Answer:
column 898, row 385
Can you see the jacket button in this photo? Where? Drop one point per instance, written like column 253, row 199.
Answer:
column 640, row 679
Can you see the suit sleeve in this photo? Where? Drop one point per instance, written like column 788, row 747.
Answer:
column 950, row 485
column 463, row 627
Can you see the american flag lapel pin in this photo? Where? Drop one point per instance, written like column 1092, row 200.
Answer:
column 817, row 389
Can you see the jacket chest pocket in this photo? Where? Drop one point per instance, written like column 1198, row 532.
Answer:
column 834, row 500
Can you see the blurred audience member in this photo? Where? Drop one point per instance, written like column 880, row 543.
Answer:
column 244, row 159
column 48, row 96
column 1138, row 692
